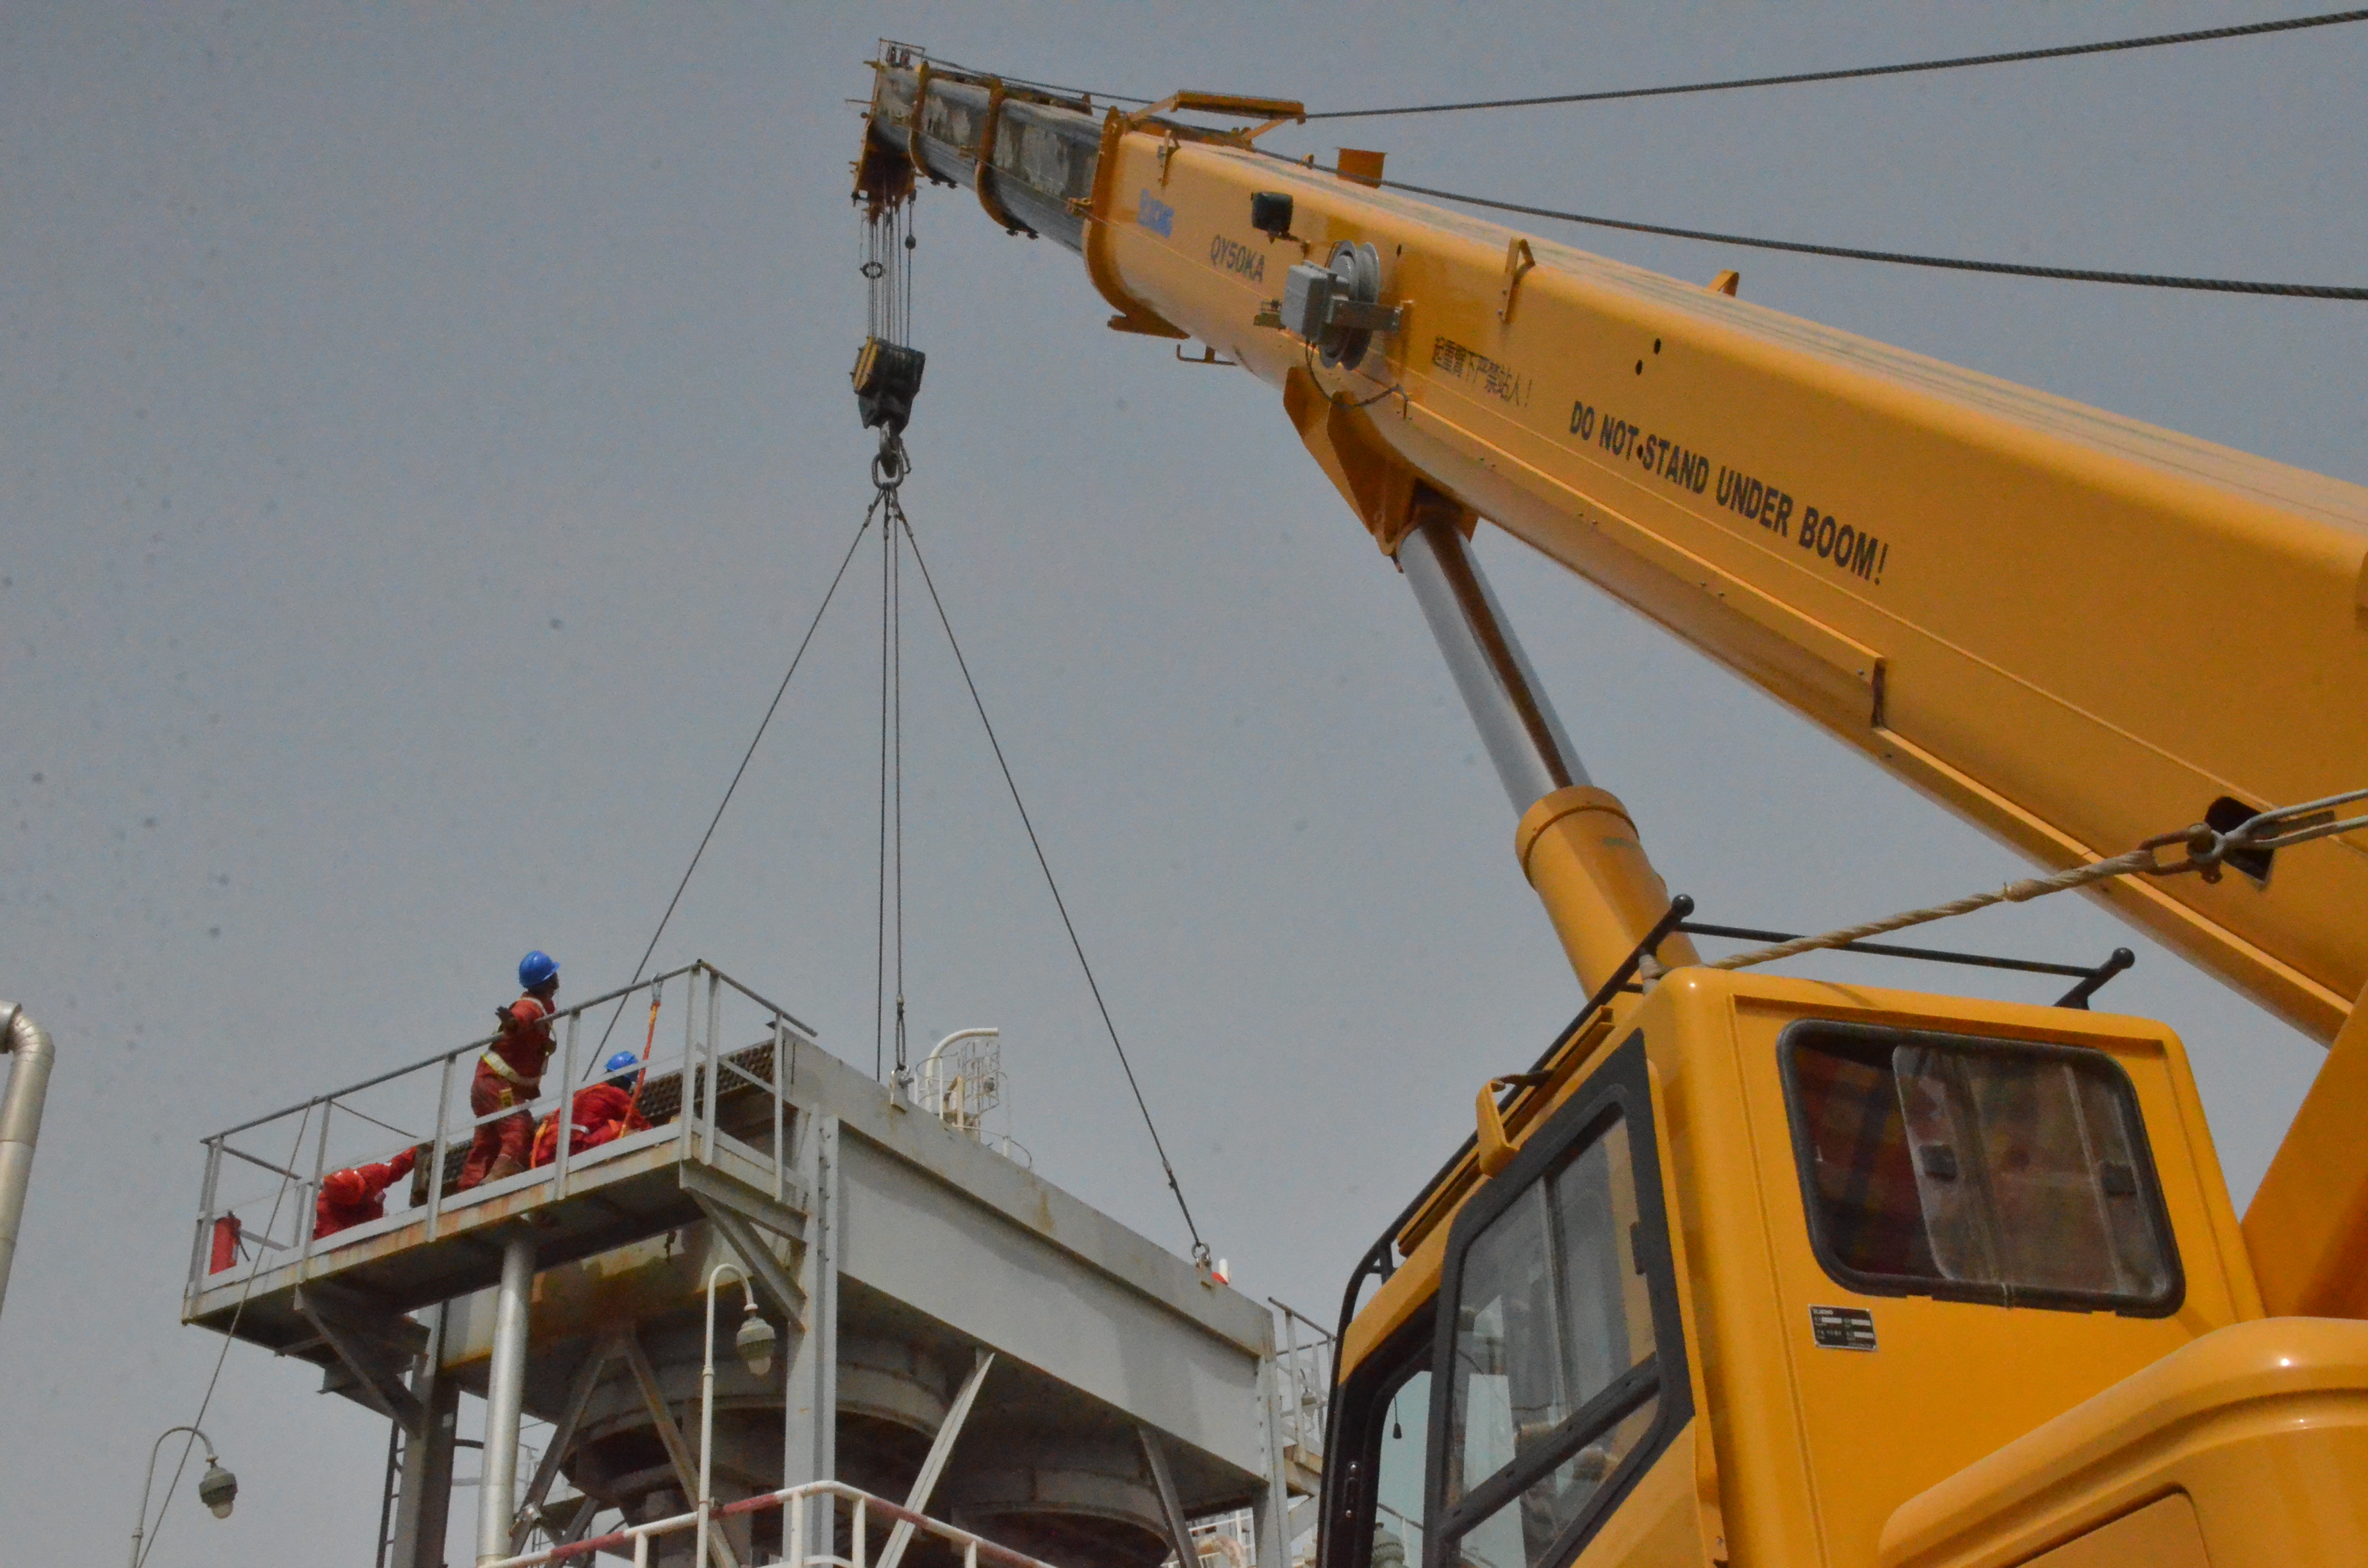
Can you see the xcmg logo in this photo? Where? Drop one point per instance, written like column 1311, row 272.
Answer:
column 1156, row 216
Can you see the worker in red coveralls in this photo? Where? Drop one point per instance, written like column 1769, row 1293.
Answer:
column 603, row 1113
column 358, row 1196
column 511, row 1074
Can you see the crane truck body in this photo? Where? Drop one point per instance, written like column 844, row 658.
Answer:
column 1757, row 1269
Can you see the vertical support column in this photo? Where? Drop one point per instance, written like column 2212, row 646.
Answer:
column 505, row 1388
column 200, row 1249
column 811, row 1396
column 714, row 1077
column 308, row 1215
column 436, row 1156
column 688, row 1093
column 566, row 1112
column 423, row 1504
column 1270, row 1511
column 780, row 1118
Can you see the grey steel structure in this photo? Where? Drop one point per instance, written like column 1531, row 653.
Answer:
column 1128, row 1393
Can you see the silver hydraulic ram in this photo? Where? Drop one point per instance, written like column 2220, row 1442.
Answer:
column 20, row 1123
column 1577, row 846
column 1519, row 726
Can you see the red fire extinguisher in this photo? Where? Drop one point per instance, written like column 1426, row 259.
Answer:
column 226, row 1243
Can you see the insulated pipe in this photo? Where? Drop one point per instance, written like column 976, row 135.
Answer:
column 504, row 1389
column 20, row 1123
column 1576, row 844
column 1524, row 737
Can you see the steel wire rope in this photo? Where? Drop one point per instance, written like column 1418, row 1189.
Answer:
column 2061, row 52
column 1797, row 78
column 896, row 519
column 1895, row 259
column 230, row 1333
column 897, row 783
column 891, row 906
column 704, row 839
column 2207, row 849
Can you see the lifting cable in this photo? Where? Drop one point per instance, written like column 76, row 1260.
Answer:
column 705, row 838
column 1895, row 259
column 2207, row 849
column 886, row 377
column 2207, row 35
column 891, row 909
column 1792, row 79
column 896, row 519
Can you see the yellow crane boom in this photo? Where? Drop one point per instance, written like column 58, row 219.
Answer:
column 2076, row 630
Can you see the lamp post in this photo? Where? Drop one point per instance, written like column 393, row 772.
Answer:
column 755, row 1343
column 217, row 1489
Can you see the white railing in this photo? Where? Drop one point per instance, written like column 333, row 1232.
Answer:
column 798, row 1500
column 709, row 1019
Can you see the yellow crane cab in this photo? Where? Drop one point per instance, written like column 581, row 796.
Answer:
column 1780, row 1271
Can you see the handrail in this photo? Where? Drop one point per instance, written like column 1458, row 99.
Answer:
column 704, row 1061
column 484, row 1041
column 480, row 1044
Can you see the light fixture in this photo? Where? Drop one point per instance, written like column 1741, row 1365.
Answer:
column 218, row 1489
column 755, row 1343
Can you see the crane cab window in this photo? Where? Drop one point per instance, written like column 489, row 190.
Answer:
column 1397, row 1475
column 1558, row 1331
column 1374, row 1493
column 1985, row 1170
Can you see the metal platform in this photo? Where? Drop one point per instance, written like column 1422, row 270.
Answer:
column 1129, row 1390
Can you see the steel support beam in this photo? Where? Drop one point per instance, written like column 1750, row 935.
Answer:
column 374, row 1347
column 811, row 1395
column 1270, row 1514
column 423, row 1505
column 578, row 1522
column 771, row 1280
column 677, row 1448
column 1171, row 1505
column 579, row 1394
column 941, row 1448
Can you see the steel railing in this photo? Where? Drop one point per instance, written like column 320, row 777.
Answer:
column 297, row 1148
column 1304, row 1362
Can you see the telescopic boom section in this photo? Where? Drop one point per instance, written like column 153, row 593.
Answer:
column 2075, row 630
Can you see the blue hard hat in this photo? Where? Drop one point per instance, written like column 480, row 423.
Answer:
column 537, row 968
column 623, row 1062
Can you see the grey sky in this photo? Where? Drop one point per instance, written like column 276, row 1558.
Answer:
column 428, row 431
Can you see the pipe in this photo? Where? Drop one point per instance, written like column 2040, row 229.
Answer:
column 1519, row 726
column 20, row 1124
column 1576, row 844
column 706, row 1499
column 504, row 1389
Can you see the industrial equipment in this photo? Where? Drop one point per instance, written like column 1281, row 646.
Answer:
column 1762, row 1270
column 928, row 1326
